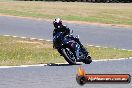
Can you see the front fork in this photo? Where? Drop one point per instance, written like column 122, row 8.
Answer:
column 77, row 50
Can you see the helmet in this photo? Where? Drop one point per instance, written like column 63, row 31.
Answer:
column 57, row 22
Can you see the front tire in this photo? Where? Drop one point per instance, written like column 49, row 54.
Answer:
column 69, row 55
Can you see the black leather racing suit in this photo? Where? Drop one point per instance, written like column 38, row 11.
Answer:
column 64, row 29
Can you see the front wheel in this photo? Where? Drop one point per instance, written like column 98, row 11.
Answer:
column 69, row 55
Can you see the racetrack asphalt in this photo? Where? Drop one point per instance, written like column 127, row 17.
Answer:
column 105, row 36
column 62, row 76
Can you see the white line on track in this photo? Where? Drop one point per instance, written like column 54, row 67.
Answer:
column 98, row 46
column 112, row 59
column 6, row 35
column 41, row 65
column 23, row 37
column 41, row 39
column 33, row 38
column 38, row 65
column 15, row 36
column 49, row 40
column 90, row 45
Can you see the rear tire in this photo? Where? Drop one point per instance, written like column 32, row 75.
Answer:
column 69, row 55
column 88, row 60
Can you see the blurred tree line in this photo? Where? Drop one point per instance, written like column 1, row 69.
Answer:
column 104, row 1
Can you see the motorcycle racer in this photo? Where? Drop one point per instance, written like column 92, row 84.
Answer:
column 62, row 38
column 59, row 27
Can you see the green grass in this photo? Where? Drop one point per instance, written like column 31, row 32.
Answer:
column 108, row 13
column 17, row 51
column 109, row 53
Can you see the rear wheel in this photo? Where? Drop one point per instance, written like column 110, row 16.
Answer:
column 69, row 55
column 88, row 60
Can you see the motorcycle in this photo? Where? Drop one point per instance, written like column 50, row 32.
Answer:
column 70, row 49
